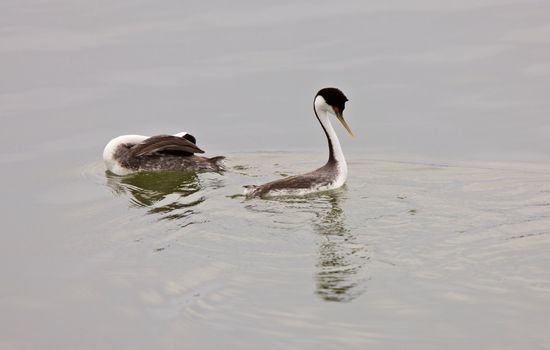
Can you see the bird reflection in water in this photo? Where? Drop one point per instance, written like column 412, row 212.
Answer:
column 160, row 192
column 340, row 274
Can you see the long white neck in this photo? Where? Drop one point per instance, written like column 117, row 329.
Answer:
column 335, row 150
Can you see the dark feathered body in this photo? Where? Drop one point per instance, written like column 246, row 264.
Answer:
column 314, row 181
column 167, row 161
column 132, row 153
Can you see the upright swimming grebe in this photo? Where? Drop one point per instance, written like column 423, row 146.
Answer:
column 328, row 101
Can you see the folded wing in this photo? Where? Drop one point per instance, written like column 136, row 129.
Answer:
column 165, row 143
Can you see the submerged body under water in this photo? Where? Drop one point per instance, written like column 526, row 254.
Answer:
column 438, row 255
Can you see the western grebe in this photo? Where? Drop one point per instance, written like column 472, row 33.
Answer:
column 132, row 153
column 328, row 101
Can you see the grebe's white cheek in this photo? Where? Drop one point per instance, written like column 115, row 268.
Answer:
column 322, row 105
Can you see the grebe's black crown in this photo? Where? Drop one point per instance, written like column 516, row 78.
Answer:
column 334, row 97
column 190, row 137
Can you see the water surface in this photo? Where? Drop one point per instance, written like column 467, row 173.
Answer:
column 406, row 253
column 439, row 240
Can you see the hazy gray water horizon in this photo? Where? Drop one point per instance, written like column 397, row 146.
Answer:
column 441, row 80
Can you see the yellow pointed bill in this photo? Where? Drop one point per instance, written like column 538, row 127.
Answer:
column 341, row 119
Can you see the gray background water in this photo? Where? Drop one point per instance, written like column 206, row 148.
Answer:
column 410, row 254
column 468, row 79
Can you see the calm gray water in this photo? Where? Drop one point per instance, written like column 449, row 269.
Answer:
column 439, row 240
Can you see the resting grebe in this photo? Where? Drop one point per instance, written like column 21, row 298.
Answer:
column 132, row 153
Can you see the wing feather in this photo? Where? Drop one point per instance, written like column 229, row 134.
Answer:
column 161, row 143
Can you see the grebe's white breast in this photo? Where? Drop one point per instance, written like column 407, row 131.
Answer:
column 109, row 152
